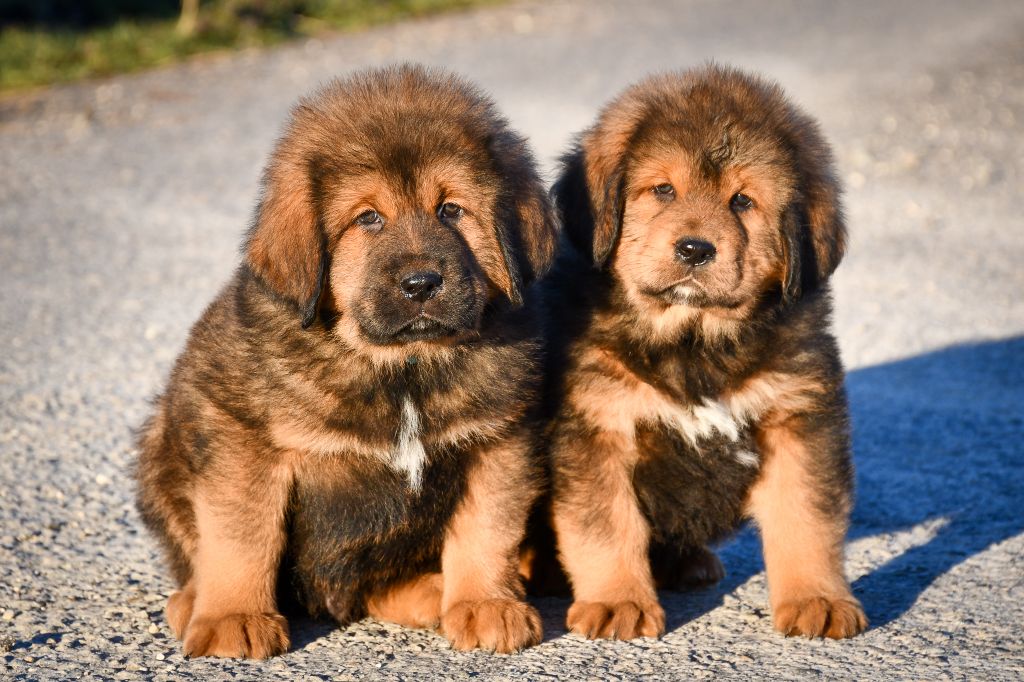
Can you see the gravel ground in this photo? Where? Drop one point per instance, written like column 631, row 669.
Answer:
column 122, row 203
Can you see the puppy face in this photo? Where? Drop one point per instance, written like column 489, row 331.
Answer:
column 702, row 219
column 705, row 192
column 420, row 260
column 398, row 205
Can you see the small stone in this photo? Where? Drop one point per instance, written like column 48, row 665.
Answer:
column 153, row 628
column 8, row 615
column 160, row 657
column 102, row 479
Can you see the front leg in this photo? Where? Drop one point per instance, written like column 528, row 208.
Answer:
column 482, row 595
column 801, row 503
column 603, row 539
column 228, row 608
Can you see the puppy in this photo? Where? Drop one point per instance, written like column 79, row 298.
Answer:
column 697, row 383
column 351, row 418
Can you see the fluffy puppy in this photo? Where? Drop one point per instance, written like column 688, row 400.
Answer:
column 350, row 422
column 695, row 382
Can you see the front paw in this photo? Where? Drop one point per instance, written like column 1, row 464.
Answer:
column 238, row 635
column 501, row 625
column 820, row 617
column 616, row 620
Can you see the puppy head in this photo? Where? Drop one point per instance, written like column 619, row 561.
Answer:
column 400, row 200
column 703, row 191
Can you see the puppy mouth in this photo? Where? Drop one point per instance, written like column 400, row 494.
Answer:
column 423, row 328
column 687, row 291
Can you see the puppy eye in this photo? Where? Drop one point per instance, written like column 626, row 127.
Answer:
column 370, row 219
column 449, row 211
column 740, row 202
column 664, row 190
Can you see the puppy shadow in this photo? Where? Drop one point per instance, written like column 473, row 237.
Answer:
column 305, row 630
column 936, row 441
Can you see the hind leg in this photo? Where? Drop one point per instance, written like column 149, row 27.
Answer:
column 691, row 568
column 179, row 609
column 415, row 603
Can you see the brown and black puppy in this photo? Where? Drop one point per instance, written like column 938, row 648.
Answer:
column 696, row 381
column 352, row 413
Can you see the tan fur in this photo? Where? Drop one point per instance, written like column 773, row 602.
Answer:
column 644, row 255
column 482, row 598
column 293, row 435
column 615, row 399
column 284, row 248
column 414, row 604
column 803, row 551
column 611, row 575
column 236, row 571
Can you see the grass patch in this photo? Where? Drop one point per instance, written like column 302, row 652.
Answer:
column 31, row 56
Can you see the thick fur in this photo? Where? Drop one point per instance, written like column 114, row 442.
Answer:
column 326, row 436
column 687, row 397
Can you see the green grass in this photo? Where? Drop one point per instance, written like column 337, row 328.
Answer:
column 36, row 56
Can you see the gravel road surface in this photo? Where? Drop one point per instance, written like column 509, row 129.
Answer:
column 122, row 203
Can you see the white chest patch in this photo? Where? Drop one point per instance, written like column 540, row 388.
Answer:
column 698, row 421
column 748, row 458
column 408, row 454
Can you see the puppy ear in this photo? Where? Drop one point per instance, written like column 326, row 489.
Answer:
column 592, row 216
column 818, row 206
column 590, row 193
column 286, row 245
column 793, row 245
column 527, row 225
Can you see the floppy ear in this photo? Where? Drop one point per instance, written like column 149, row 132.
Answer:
column 527, row 225
column 794, row 245
column 286, row 246
column 821, row 228
column 590, row 192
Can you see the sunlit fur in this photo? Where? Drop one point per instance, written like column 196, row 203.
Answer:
column 328, row 440
column 689, row 395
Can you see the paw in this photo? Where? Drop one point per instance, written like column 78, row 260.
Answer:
column 696, row 569
column 424, row 607
column 501, row 625
column 239, row 635
column 616, row 620
column 820, row 617
column 179, row 611
column 415, row 604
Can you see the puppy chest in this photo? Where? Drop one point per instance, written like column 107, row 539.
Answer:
column 693, row 492
column 402, row 431
column 364, row 527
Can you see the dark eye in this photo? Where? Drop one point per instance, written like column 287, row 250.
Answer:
column 449, row 211
column 370, row 219
column 740, row 202
column 664, row 190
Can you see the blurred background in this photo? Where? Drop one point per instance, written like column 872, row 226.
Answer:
column 125, row 192
column 52, row 41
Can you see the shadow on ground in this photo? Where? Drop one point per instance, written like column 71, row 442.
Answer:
column 937, row 438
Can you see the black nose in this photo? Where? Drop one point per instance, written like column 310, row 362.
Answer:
column 695, row 251
column 421, row 286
